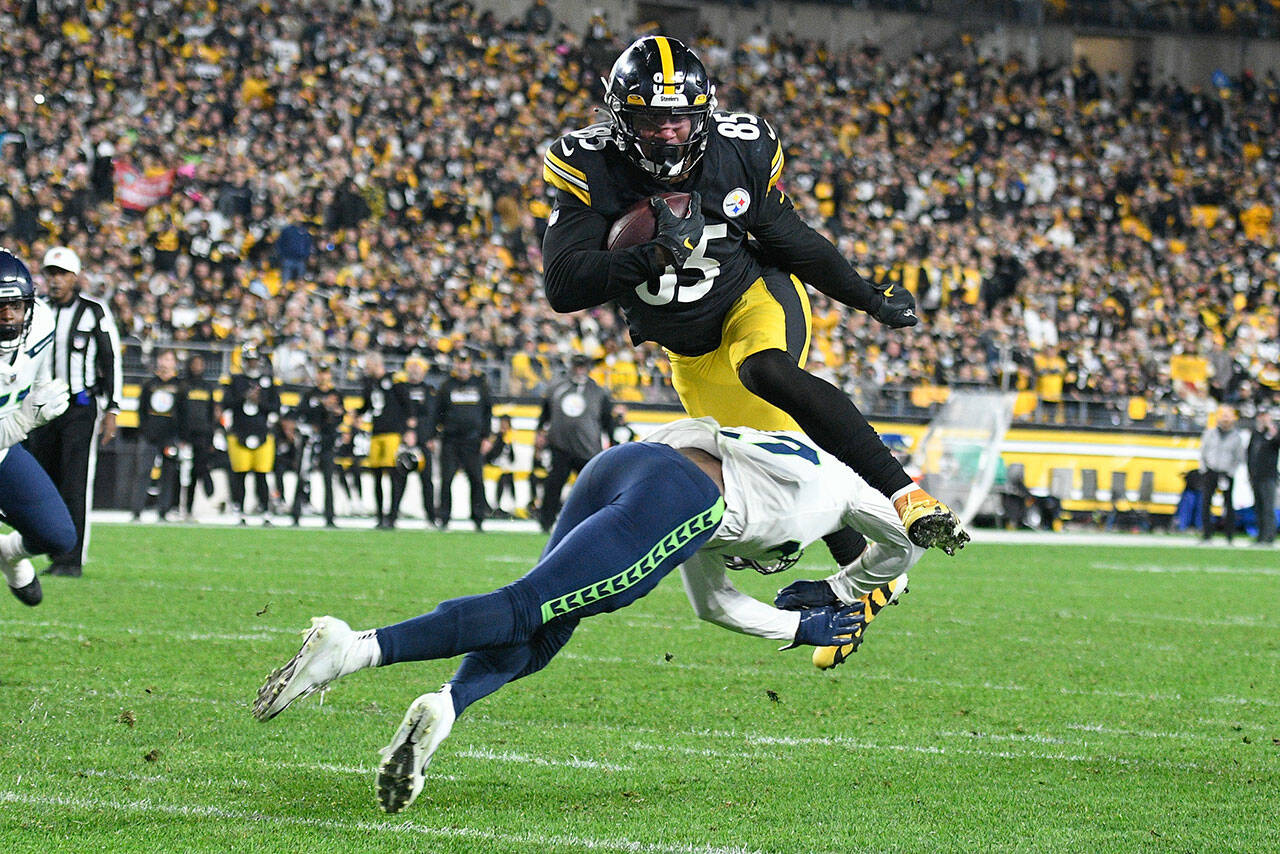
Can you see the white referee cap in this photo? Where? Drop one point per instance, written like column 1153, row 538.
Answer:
column 62, row 258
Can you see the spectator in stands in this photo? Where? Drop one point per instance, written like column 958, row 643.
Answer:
column 293, row 249
column 1143, row 216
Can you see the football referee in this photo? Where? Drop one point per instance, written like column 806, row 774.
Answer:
column 86, row 353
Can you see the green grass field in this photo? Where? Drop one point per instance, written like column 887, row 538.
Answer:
column 1022, row 698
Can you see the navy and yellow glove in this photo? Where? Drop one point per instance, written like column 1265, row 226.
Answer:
column 828, row 626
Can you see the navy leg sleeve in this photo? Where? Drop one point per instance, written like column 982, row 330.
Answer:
column 635, row 513
column 30, row 503
column 484, row 672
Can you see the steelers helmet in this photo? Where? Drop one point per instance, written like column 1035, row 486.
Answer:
column 16, row 286
column 655, row 78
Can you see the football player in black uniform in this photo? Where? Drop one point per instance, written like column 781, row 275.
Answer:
column 735, row 330
column 387, row 405
column 251, row 407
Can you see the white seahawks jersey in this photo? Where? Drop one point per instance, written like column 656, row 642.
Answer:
column 781, row 492
column 28, row 366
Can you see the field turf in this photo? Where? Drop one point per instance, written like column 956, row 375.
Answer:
column 1026, row 697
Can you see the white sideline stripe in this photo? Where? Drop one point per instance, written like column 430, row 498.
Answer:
column 262, row 635
column 508, row 756
column 532, row 842
column 163, row 778
column 1162, row 736
column 837, row 741
column 1172, row 569
column 209, row 588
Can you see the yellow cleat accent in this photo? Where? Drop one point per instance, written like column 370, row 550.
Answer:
column 827, row 657
column 930, row 523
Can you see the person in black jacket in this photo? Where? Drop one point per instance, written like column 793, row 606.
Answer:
column 464, row 422
column 159, row 404
column 1264, row 449
column 576, row 413
column 198, row 415
column 423, row 396
column 320, row 415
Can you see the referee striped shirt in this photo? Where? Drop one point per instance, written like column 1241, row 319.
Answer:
column 86, row 351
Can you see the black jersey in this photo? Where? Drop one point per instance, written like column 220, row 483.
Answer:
column 254, row 406
column 387, row 404
column 422, row 405
column 159, row 410
column 683, row 310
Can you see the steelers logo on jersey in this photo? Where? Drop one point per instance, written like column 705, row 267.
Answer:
column 162, row 401
column 736, row 202
column 573, row 404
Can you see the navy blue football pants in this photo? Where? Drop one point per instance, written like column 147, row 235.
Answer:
column 31, row 505
column 636, row 512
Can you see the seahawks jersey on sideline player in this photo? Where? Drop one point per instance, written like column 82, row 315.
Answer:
column 737, row 333
column 29, row 398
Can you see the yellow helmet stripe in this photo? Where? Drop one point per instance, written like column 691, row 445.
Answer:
column 668, row 66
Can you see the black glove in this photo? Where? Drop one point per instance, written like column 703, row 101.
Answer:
column 678, row 235
column 828, row 626
column 898, row 308
column 800, row 595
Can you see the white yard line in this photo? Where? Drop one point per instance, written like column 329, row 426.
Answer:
column 1174, row 569
column 532, row 841
column 855, row 745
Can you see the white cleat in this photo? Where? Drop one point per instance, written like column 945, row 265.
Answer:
column 320, row 661
column 405, row 759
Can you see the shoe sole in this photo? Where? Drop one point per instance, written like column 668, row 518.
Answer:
column 939, row 530
column 278, row 681
column 840, row 654
column 400, row 780
column 29, row 594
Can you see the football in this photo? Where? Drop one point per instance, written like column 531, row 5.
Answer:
column 638, row 225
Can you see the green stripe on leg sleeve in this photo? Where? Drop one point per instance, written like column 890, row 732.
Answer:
column 634, row 574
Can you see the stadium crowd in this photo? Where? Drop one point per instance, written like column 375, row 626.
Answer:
column 368, row 179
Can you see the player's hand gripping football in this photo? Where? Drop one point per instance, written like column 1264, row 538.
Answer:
column 828, row 626
column 46, row 402
column 678, row 235
column 898, row 308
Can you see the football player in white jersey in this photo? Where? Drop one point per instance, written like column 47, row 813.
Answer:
column 29, row 398
column 637, row 512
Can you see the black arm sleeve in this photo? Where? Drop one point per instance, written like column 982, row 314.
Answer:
column 606, row 416
column 578, row 273
column 795, row 247
column 544, row 417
